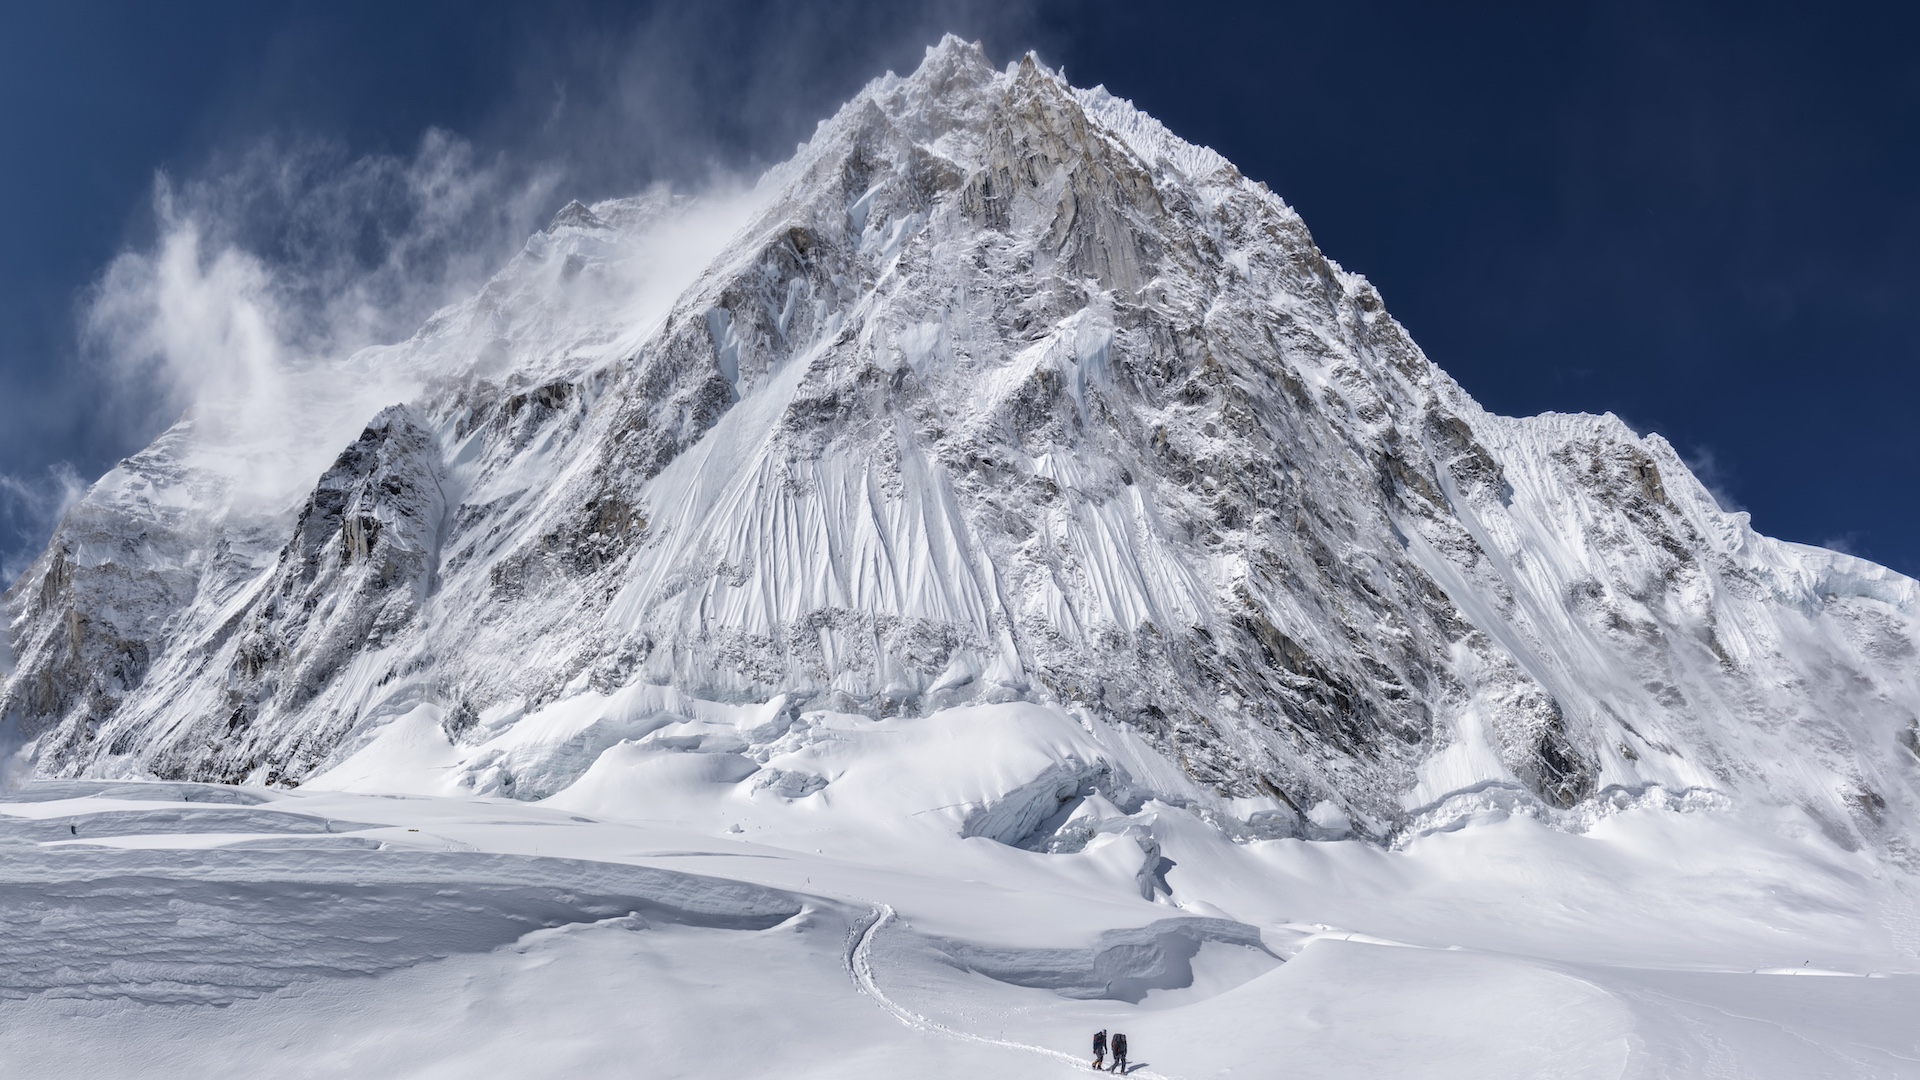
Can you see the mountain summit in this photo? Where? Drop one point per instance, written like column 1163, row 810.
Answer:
column 996, row 392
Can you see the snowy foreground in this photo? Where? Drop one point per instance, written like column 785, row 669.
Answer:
column 663, row 917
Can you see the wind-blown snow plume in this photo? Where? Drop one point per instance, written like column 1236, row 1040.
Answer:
column 30, row 506
column 273, row 269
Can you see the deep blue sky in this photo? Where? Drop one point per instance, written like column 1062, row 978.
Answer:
column 1703, row 217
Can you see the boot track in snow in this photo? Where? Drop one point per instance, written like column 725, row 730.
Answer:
column 860, row 966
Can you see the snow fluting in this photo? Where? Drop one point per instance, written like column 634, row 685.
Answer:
column 1006, row 521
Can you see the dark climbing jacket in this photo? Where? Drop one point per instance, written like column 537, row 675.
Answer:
column 1119, row 1046
column 1099, row 1042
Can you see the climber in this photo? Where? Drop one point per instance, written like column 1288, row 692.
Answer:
column 1119, row 1053
column 1099, row 1048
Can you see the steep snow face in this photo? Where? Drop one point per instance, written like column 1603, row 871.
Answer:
column 996, row 392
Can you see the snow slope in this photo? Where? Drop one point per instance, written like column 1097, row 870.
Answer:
column 994, row 579
column 187, row 930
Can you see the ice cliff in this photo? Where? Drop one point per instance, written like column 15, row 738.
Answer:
column 997, row 391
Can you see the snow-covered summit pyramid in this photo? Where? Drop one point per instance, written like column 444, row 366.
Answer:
column 997, row 391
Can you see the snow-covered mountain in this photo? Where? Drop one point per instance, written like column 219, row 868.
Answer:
column 996, row 392
column 995, row 580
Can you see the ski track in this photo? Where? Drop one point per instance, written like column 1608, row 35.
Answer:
column 860, row 966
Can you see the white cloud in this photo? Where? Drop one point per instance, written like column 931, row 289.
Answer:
column 266, row 275
column 1847, row 543
column 297, row 255
column 31, row 506
column 1713, row 476
column 195, row 320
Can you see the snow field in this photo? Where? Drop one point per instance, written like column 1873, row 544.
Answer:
column 623, row 927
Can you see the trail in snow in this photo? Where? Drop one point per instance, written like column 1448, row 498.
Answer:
column 860, row 966
column 183, row 929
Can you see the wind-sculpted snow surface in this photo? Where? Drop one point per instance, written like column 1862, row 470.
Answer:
column 997, row 392
column 1125, row 965
column 177, row 930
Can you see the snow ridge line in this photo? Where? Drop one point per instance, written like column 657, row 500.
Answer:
column 860, row 966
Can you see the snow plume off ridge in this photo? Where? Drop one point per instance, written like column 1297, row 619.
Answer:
column 996, row 395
